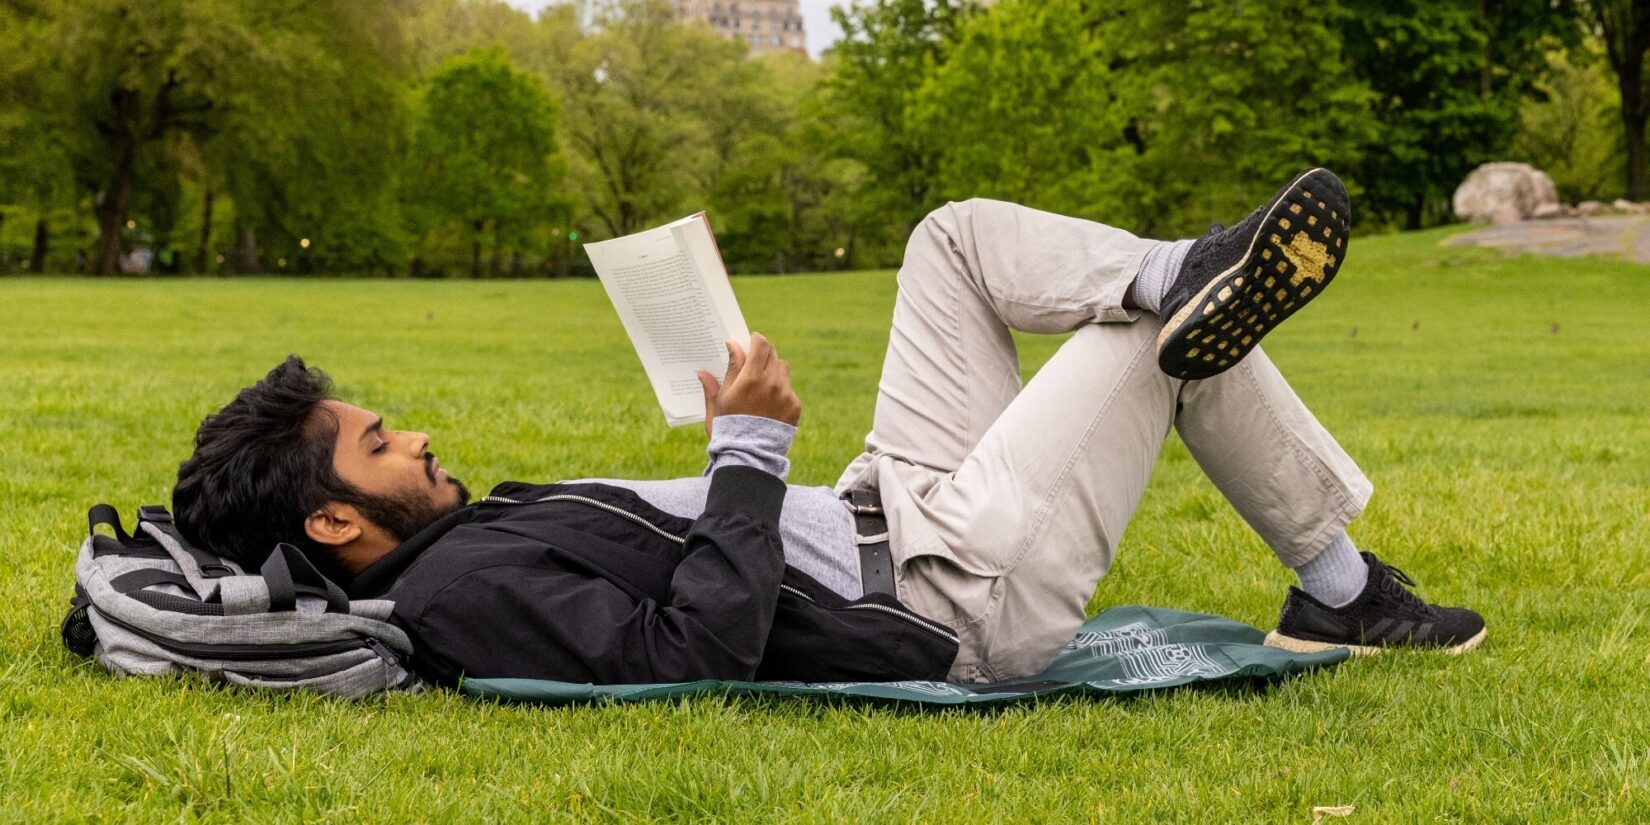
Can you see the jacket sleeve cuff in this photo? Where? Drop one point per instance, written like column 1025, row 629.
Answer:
column 747, row 491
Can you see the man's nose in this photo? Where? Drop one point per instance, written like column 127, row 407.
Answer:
column 419, row 442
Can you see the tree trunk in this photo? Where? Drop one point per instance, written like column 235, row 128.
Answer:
column 1634, row 109
column 42, row 239
column 246, row 253
column 111, row 211
column 1636, row 183
column 1626, row 35
column 475, row 252
column 204, row 255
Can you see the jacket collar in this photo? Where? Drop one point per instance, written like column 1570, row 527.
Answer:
column 376, row 580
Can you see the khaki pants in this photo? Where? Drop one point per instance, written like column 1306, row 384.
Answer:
column 1005, row 505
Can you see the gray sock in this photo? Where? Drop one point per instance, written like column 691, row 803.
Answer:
column 1337, row 575
column 1157, row 273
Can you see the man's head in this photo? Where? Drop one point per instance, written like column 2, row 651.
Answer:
column 285, row 461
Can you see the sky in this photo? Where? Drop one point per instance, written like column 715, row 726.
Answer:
column 816, row 18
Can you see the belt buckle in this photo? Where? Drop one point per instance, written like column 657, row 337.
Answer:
column 869, row 509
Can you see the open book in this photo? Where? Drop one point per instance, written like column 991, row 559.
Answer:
column 672, row 293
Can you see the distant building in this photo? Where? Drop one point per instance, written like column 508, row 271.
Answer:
column 764, row 25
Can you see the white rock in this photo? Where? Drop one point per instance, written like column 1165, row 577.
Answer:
column 1587, row 209
column 1497, row 191
column 1548, row 210
column 1625, row 205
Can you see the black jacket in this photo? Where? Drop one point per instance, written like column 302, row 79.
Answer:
column 589, row 583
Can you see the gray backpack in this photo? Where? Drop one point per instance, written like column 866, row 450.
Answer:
column 152, row 604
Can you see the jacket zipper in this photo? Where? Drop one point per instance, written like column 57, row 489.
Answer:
column 618, row 511
column 909, row 618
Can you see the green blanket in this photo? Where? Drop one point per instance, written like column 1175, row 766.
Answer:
column 1123, row 650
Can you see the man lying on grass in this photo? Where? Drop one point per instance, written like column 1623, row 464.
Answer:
column 962, row 544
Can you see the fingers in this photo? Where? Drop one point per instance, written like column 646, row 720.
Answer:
column 736, row 361
column 762, row 353
column 758, row 383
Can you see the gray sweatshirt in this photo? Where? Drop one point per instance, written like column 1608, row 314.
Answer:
column 816, row 527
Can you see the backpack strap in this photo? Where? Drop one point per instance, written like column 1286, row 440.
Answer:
column 105, row 514
column 287, row 573
column 209, row 565
column 201, row 568
column 129, row 583
column 133, row 583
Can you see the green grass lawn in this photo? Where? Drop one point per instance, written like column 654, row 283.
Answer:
column 1499, row 404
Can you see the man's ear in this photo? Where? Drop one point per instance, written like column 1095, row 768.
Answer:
column 334, row 525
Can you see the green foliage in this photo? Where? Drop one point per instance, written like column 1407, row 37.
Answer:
column 1524, row 498
column 1448, row 79
column 1158, row 117
column 779, row 205
column 313, row 149
column 288, row 109
column 483, row 155
column 654, row 110
column 1226, row 100
column 1574, row 134
column 1622, row 27
column 235, row 130
column 888, row 51
column 1022, row 108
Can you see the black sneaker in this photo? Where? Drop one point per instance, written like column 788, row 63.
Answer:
column 1238, row 284
column 1384, row 615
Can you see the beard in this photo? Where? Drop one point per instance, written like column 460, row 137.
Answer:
column 405, row 513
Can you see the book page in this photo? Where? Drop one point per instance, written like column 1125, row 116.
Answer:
column 672, row 293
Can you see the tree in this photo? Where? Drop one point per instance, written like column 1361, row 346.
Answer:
column 1573, row 131
column 34, row 166
column 653, row 111
column 1160, row 117
column 1043, row 128
column 1624, row 27
column 133, row 78
column 777, row 203
column 313, row 140
column 888, row 50
column 484, row 151
column 290, row 107
column 1449, row 79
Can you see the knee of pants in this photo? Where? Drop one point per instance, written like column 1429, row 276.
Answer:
column 948, row 218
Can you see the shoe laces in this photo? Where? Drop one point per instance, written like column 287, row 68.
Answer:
column 1397, row 583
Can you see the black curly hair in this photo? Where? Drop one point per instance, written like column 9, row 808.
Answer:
column 261, row 465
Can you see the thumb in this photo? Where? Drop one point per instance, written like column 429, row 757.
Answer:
column 708, row 383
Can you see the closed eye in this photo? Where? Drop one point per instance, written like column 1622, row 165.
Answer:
column 381, row 447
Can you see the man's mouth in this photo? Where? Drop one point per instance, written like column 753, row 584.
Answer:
column 434, row 471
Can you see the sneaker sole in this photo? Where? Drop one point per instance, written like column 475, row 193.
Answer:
column 1290, row 643
column 1296, row 251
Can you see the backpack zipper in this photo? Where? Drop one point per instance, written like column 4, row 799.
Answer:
column 909, row 618
column 248, row 653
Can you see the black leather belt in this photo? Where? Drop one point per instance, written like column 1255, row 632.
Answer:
column 876, row 560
